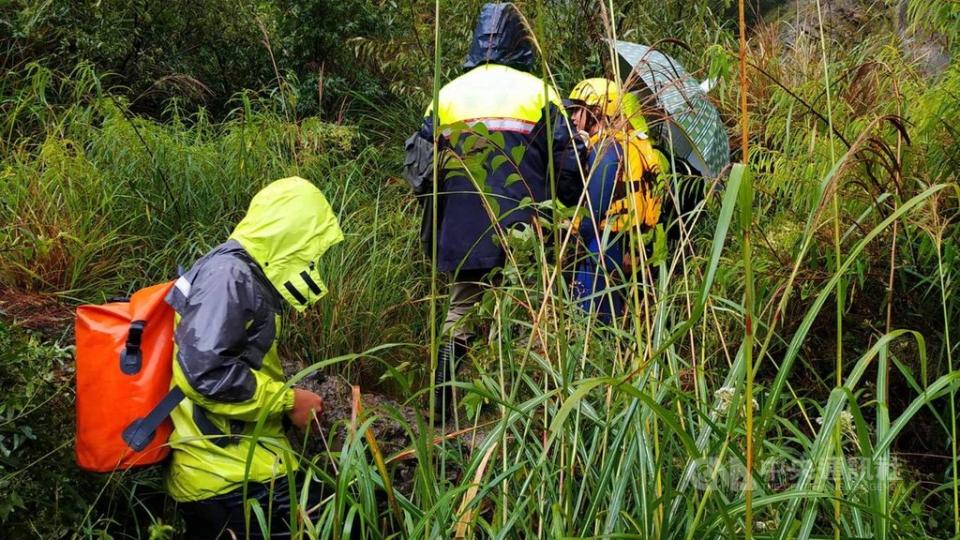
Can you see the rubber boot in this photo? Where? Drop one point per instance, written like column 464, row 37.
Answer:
column 447, row 361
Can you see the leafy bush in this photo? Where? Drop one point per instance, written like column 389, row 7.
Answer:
column 40, row 489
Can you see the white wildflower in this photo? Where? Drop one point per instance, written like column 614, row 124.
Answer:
column 846, row 424
column 724, row 398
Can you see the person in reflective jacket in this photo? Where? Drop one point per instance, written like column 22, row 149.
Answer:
column 496, row 101
column 228, row 312
column 624, row 192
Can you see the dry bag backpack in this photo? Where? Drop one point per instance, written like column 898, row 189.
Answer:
column 124, row 362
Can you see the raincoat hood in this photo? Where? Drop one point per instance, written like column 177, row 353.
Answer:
column 288, row 227
column 500, row 38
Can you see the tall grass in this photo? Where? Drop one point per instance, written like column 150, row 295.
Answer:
column 717, row 407
column 103, row 202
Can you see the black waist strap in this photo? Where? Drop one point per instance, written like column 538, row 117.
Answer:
column 209, row 429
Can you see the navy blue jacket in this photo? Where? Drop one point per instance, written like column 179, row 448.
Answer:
column 590, row 283
column 500, row 130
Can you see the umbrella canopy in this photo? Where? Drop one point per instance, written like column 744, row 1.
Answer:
column 691, row 124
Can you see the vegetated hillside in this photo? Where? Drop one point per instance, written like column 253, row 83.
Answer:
column 134, row 135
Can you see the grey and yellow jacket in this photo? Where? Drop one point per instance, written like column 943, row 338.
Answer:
column 228, row 315
column 499, row 95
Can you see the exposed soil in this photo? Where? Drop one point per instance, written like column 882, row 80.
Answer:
column 391, row 419
column 38, row 312
column 394, row 428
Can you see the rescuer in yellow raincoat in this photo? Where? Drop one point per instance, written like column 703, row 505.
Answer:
column 228, row 314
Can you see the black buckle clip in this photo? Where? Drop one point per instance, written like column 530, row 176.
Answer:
column 131, row 357
column 137, row 436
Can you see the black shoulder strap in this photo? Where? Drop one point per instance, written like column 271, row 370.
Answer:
column 141, row 431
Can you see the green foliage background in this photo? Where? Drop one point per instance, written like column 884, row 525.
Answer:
column 135, row 132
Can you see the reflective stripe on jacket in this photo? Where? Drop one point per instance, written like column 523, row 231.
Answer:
column 228, row 308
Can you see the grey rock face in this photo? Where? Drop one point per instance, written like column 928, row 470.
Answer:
column 928, row 51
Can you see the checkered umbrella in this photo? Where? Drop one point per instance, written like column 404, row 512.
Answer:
column 691, row 125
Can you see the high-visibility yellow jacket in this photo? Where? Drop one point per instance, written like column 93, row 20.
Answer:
column 626, row 184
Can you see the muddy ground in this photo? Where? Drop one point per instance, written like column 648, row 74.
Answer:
column 394, row 429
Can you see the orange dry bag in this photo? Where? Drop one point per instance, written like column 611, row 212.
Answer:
column 124, row 362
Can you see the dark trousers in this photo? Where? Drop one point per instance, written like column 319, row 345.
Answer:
column 218, row 517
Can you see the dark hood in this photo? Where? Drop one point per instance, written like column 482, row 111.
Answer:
column 500, row 38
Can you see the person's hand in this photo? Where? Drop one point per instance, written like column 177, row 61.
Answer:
column 306, row 404
column 584, row 136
